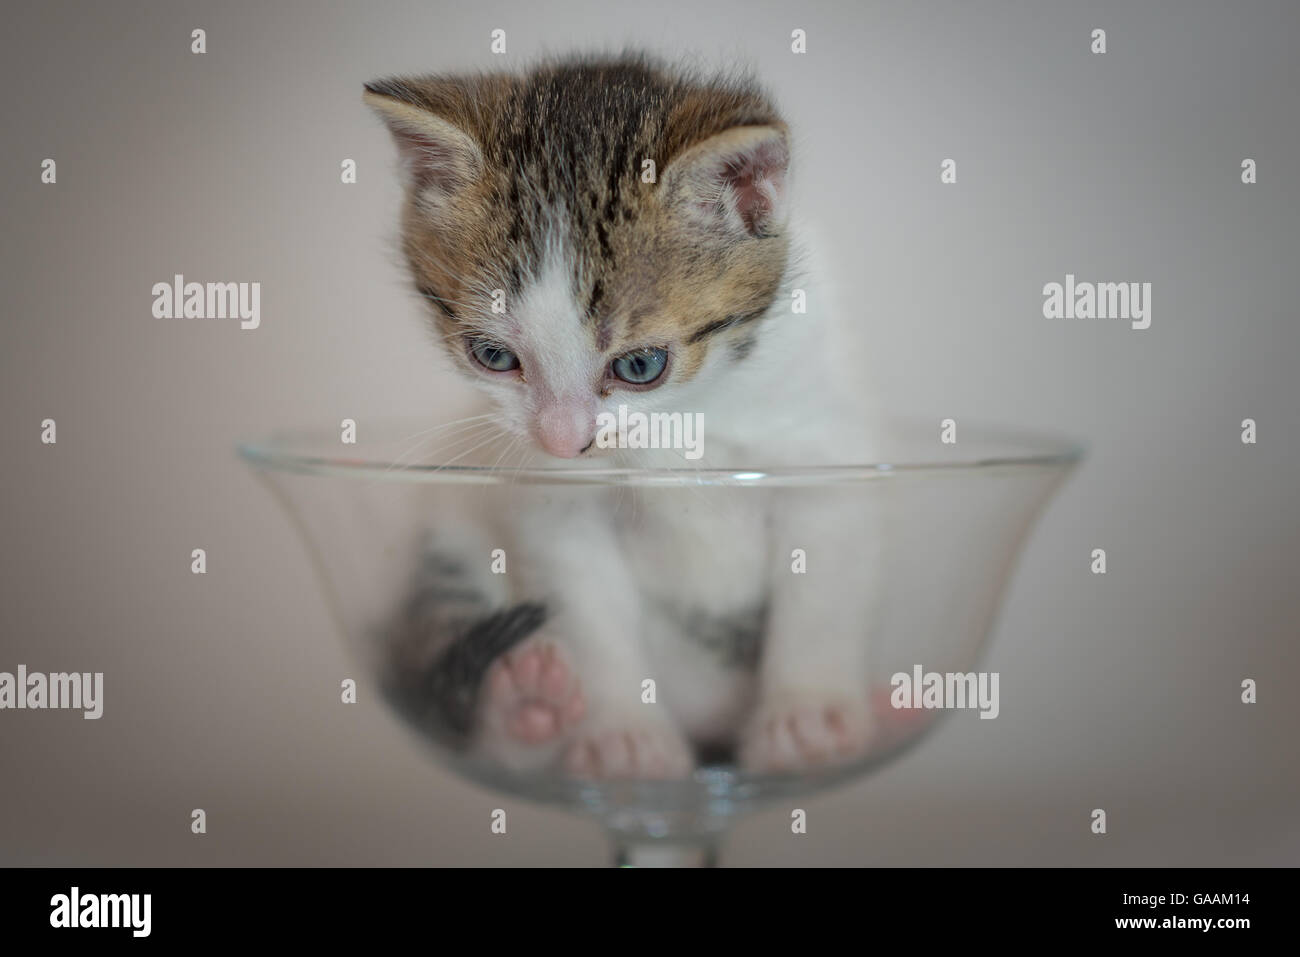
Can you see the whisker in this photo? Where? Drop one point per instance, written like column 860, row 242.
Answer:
column 459, row 425
column 467, row 434
column 498, row 432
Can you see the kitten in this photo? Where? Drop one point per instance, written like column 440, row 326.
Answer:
column 668, row 292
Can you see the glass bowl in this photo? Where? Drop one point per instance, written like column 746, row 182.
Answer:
column 899, row 579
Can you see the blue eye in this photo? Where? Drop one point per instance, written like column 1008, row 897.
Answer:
column 641, row 366
column 492, row 356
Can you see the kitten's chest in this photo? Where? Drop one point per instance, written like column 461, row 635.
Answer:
column 704, row 551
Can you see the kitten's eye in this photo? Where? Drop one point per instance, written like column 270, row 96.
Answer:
column 492, row 356
column 641, row 366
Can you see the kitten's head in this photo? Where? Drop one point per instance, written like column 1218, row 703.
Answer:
column 590, row 234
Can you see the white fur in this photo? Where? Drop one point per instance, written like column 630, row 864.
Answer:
column 616, row 566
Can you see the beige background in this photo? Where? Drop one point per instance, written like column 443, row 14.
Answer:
column 222, row 691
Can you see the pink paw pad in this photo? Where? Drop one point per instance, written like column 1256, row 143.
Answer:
column 533, row 694
column 803, row 735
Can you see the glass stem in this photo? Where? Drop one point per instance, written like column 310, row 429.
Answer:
column 634, row 852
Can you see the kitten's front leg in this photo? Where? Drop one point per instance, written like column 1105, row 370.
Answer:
column 813, row 706
column 570, row 695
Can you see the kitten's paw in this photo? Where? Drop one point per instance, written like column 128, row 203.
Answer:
column 636, row 749
column 799, row 732
column 531, row 696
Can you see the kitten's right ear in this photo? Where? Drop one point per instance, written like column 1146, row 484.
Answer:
column 435, row 153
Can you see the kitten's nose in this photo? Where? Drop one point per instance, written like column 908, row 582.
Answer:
column 566, row 429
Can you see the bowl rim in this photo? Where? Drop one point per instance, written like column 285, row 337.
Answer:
column 282, row 452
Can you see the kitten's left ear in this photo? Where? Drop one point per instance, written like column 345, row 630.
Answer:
column 734, row 180
column 435, row 152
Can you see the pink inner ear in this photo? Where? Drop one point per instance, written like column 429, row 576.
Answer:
column 433, row 161
column 754, row 181
column 755, row 187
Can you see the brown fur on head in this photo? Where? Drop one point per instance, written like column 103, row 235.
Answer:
column 529, row 223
